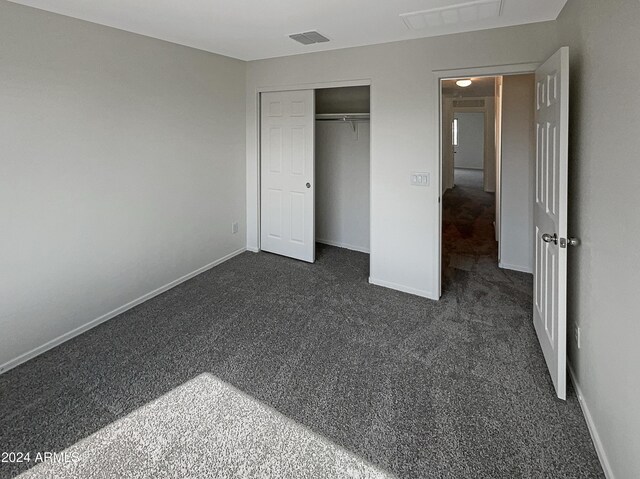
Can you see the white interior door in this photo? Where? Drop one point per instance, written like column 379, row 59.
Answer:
column 287, row 222
column 550, row 215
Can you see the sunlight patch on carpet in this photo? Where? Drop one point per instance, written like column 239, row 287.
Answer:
column 206, row 428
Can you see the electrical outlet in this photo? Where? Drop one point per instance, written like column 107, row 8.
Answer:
column 234, row 227
column 577, row 335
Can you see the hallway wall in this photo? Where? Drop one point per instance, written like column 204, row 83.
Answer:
column 470, row 150
column 604, row 173
column 517, row 172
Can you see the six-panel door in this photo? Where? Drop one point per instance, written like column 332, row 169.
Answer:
column 287, row 174
column 550, row 214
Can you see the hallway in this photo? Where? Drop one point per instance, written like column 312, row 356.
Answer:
column 468, row 233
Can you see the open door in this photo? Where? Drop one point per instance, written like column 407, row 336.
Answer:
column 550, row 214
column 287, row 222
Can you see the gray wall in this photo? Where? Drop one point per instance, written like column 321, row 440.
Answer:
column 517, row 173
column 604, row 172
column 122, row 169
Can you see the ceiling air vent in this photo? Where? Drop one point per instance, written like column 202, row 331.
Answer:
column 461, row 13
column 468, row 103
column 307, row 38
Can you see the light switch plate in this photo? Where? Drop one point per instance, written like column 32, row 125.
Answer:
column 418, row 178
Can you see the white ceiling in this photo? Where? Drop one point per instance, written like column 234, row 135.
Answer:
column 480, row 86
column 255, row 29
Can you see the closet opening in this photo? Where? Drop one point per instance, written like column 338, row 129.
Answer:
column 342, row 149
column 315, row 173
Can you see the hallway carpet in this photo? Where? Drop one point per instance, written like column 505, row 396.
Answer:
column 456, row 388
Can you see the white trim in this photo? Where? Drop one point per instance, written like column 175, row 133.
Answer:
column 343, row 245
column 595, row 437
column 515, row 267
column 12, row 363
column 405, row 289
column 253, row 249
column 492, row 70
column 438, row 76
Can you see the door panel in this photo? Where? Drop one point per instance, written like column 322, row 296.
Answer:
column 287, row 159
column 550, row 214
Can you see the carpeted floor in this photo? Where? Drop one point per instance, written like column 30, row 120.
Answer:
column 417, row 388
column 206, row 428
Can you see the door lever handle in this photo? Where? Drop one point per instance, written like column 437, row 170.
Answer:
column 547, row 238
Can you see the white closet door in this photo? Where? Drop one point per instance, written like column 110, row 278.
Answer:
column 287, row 223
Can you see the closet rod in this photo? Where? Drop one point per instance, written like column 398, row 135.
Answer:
column 342, row 116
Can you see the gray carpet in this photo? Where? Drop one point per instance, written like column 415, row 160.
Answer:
column 206, row 428
column 450, row 389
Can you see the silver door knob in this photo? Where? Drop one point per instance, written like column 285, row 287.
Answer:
column 564, row 242
column 308, row 185
column 547, row 238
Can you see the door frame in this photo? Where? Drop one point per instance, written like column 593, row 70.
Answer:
column 308, row 86
column 438, row 77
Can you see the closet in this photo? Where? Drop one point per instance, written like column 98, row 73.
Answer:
column 342, row 164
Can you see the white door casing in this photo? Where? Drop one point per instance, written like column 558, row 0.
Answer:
column 287, row 222
column 550, row 214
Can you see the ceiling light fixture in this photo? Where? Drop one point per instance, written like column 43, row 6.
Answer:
column 463, row 83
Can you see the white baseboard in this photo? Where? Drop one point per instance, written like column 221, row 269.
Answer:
column 403, row 288
column 12, row 363
column 253, row 249
column 343, row 245
column 595, row 437
column 515, row 267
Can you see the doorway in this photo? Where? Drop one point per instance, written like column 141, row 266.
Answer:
column 488, row 161
column 469, row 174
column 541, row 182
column 315, row 182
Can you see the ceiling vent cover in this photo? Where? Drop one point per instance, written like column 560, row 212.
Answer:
column 461, row 13
column 468, row 103
column 307, row 38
